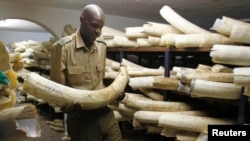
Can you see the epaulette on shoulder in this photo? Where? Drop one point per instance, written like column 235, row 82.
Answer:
column 64, row 40
column 101, row 41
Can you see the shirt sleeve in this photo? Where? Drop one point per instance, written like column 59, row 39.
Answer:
column 58, row 63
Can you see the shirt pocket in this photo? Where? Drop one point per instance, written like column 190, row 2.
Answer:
column 98, row 76
column 76, row 75
column 99, row 71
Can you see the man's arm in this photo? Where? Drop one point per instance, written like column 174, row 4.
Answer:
column 57, row 70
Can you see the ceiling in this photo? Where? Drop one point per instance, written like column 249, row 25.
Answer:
column 192, row 10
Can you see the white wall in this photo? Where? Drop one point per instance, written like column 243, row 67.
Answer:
column 54, row 19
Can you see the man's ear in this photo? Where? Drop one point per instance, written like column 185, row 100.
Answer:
column 81, row 18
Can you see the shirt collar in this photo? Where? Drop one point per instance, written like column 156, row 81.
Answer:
column 81, row 44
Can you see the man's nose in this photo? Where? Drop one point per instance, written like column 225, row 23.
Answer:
column 98, row 31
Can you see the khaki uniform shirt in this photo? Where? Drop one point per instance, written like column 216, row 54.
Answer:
column 74, row 65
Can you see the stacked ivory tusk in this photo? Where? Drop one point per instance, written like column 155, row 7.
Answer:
column 242, row 78
column 108, row 35
column 141, row 102
column 152, row 117
column 145, row 114
column 159, row 29
column 133, row 69
column 237, row 55
column 190, row 122
column 221, row 68
column 194, row 40
column 231, row 54
column 126, row 110
column 236, row 30
column 200, row 40
column 234, row 54
column 113, row 64
column 217, row 81
column 135, row 32
column 211, row 76
column 194, row 127
column 56, row 125
column 203, row 88
column 218, row 73
column 37, row 54
column 204, row 81
column 157, row 82
column 144, row 118
column 33, row 53
column 124, row 113
column 177, row 32
column 121, row 117
column 151, row 93
column 179, row 22
column 240, row 34
column 225, row 25
column 194, row 36
column 127, row 63
column 111, row 69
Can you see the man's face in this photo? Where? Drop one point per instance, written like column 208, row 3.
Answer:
column 91, row 28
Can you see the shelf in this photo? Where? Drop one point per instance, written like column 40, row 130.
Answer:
column 157, row 49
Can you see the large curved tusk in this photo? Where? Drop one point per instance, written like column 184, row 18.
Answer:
column 179, row 22
column 60, row 95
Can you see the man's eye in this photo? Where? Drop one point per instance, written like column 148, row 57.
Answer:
column 94, row 25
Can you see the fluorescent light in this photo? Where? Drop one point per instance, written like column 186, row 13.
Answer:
column 2, row 23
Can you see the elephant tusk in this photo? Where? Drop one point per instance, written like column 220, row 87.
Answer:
column 60, row 95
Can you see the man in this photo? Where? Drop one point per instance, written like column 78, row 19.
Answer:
column 78, row 61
